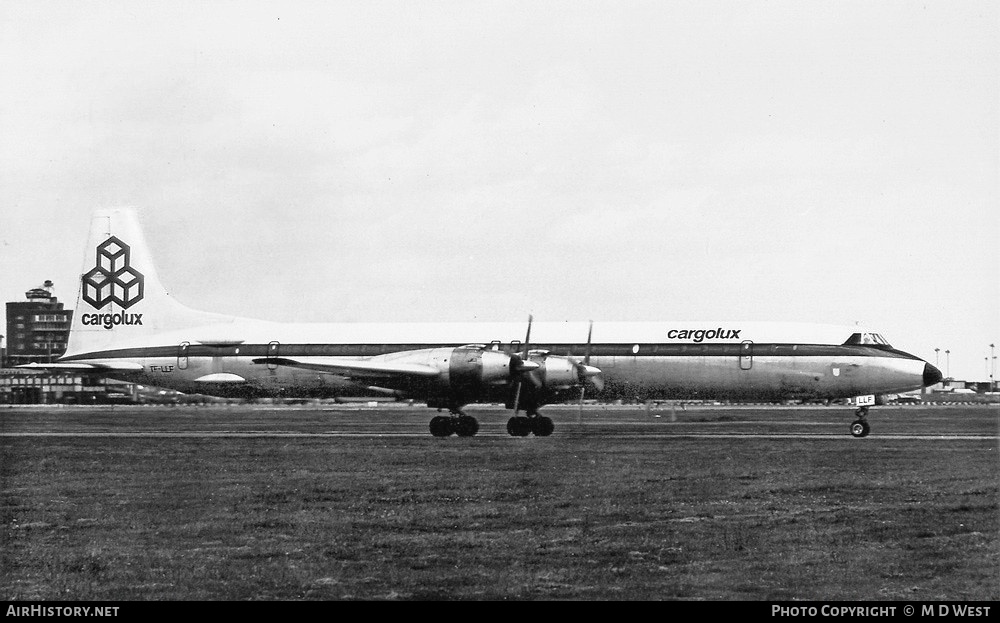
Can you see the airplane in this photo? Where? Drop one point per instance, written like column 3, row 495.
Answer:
column 127, row 326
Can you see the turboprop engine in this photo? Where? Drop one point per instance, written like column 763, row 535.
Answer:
column 470, row 373
column 559, row 372
column 475, row 366
column 475, row 373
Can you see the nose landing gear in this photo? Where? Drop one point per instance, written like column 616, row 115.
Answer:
column 860, row 427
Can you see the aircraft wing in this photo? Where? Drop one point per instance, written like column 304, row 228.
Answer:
column 354, row 367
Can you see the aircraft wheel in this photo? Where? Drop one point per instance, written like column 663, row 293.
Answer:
column 466, row 426
column 518, row 427
column 860, row 428
column 441, row 426
column 543, row 426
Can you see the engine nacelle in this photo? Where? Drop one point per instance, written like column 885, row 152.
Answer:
column 475, row 373
column 472, row 367
column 557, row 372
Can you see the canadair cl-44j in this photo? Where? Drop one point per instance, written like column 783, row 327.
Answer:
column 127, row 326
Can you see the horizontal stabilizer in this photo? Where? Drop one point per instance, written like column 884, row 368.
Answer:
column 97, row 366
column 349, row 367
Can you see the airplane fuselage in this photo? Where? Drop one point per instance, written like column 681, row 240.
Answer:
column 808, row 363
column 128, row 326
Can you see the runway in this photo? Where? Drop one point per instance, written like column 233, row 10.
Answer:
column 407, row 435
column 968, row 424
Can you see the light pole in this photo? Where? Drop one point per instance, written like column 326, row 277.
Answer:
column 937, row 357
column 993, row 368
column 947, row 363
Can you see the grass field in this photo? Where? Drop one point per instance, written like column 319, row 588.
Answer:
column 315, row 504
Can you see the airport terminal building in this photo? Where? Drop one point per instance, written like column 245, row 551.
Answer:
column 37, row 332
column 37, row 328
column 19, row 386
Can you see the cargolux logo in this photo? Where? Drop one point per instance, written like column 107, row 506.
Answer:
column 113, row 280
column 698, row 335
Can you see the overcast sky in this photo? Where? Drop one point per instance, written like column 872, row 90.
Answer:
column 394, row 161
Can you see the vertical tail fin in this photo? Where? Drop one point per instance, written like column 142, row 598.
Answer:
column 121, row 300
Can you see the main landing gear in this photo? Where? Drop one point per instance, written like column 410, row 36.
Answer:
column 860, row 427
column 521, row 426
column 457, row 423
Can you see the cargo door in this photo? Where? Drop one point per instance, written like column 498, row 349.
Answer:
column 746, row 355
column 272, row 355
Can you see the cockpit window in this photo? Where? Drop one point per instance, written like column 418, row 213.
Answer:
column 871, row 339
column 880, row 340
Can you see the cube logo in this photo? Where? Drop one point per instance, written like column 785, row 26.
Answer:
column 113, row 280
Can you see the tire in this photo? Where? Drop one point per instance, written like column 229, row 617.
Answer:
column 440, row 426
column 466, row 426
column 860, row 428
column 518, row 427
column 543, row 426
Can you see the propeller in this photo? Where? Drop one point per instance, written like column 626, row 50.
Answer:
column 522, row 366
column 587, row 372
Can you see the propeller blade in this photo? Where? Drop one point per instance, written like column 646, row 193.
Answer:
column 589, row 372
column 527, row 337
column 590, row 332
column 598, row 382
column 523, row 367
column 537, row 382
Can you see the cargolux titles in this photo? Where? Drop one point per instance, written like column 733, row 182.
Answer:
column 111, row 320
column 698, row 335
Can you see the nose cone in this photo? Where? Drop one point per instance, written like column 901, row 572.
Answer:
column 931, row 375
